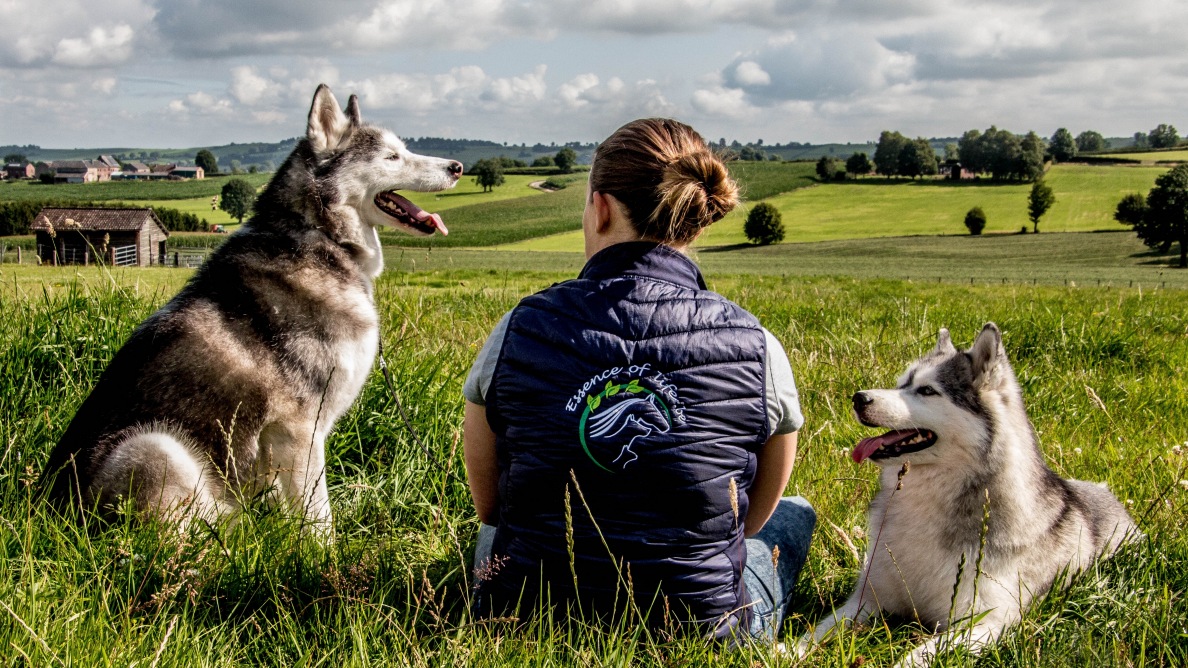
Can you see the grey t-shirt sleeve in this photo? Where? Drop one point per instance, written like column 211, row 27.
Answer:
column 479, row 380
column 783, row 402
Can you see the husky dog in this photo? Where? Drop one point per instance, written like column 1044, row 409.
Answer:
column 958, row 418
column 230, row 389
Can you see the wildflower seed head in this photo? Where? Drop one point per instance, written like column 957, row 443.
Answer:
column 1076, row 451
column 734, row 499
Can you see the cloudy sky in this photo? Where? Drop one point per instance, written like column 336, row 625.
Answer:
column 179, row 73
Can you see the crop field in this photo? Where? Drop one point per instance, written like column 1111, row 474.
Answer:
column 1102, row 370
column 127, row 191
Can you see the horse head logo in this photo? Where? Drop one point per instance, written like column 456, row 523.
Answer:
column 627, row 421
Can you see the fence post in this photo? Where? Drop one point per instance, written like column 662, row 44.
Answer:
column 111, row 256
column 18, row 254
column 176, row 258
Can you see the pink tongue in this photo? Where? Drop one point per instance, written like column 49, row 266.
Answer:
column 420, row 214
column 867, row 446
column 438, row 224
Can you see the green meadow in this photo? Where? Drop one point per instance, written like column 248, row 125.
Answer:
column 1154, row 156
column 1102, row 370
column 128, row 191
column 1095, row 325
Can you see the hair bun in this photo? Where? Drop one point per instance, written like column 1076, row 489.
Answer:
column 696, row 190
column 666, row 176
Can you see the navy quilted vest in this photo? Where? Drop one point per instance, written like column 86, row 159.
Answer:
column 650, row 390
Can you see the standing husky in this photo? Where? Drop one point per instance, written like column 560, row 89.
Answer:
column 958, row 418
column 230, row 389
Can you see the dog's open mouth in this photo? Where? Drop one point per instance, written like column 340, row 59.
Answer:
column 894, row 444
column 408, row 214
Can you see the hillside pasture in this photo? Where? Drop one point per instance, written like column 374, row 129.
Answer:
column 1101, row 371
column 467, row 193
column 877, row 207
column 500, row 221
column 127, row 191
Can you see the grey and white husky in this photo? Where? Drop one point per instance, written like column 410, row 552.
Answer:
column 958, row 418
column 230, row 389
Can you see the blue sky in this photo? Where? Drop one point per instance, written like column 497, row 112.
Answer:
column 177, row 73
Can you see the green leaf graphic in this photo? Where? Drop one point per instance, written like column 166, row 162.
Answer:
column 591, row 403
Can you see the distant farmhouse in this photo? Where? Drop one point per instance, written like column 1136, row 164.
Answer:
column 187, row 173
column 117, row 237
column 19, row 170
column 81, row 171
column 104, row 168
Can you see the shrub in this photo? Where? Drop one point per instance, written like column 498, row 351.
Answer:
column 975, row 220
column 765, row 225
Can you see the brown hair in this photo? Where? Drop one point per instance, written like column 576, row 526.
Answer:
column 668, row 178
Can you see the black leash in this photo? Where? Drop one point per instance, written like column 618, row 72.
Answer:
column 383, row 365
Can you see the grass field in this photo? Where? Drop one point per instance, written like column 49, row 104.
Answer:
column 1154, row 156
column 1108, row 258
column 128, row 191
column 875, row 207
column 1103, row 371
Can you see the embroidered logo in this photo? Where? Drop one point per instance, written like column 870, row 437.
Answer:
column 621, row 416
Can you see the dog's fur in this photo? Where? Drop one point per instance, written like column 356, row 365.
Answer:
column 229, row 390
column 924, row 522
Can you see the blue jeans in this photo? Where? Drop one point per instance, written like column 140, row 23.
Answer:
column 769, row 586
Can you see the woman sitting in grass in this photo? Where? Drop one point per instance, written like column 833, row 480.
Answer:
column 629, row 433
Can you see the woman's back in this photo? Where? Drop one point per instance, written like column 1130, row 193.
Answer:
column 650, row 389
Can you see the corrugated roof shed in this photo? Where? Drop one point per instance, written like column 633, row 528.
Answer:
column 98, row 220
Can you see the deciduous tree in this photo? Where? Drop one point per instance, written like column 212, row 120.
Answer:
column 565, row 159
column 859, row 165
column 886, row 157
column 1091, row 141
column 1063, row 146
column 1163, row 136
column 826, row 167
column 238, row 198
column 1039, row 201
column 487, row 173
column 1166, row 219
column 917, row 158
column 764, row 224
column 1031, row 158
column 207, row 161
column 975, row 220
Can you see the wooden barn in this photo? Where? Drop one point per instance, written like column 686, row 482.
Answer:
column 121, row 237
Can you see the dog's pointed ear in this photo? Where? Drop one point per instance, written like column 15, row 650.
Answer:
column 944, row 344
column 327, row 124
column 986, row 351
column 352, row 111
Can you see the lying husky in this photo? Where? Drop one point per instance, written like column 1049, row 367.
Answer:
column 229, row 390
column 958, row 418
